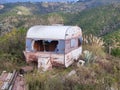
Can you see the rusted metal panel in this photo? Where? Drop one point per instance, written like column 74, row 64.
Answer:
column 46, row 63
column 57, row 60
column 71, row 56
column 54, row 58
column 44, row 48
column 30, row 56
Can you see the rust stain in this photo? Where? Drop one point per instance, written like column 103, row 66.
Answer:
column 61, row 52
column 57, row 64
column 55, row 59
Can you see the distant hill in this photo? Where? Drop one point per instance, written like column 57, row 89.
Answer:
column 50, row 7
column 102, row 21
column 14, row 1
column 99, row 21
column 44, row 7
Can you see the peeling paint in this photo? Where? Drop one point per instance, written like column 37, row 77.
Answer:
column 60, row 51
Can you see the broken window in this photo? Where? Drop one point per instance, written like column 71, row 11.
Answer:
column 28, row 44
column 56, row 46
column 38, row 45
column 73, row 43
column 79, row 41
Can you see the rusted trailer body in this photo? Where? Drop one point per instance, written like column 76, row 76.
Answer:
column 57, row 45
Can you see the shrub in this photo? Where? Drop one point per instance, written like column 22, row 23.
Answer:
column 94, row 44
column 11, row 49
column 116, row 52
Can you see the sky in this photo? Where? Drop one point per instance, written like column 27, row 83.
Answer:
column 6, row 1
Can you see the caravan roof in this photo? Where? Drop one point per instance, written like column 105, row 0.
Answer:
column 52, row 32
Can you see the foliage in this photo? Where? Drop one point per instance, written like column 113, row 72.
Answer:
column 98, row 21
column 43, row 81
column 9, row 62
column 103, row 22
column 11, row 46
column 13, row 41
column 116, row 52
column 95, row 45
column 113, row 39
column 55, row 19
column 101, row 75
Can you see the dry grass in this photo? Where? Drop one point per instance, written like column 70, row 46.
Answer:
column 95, row 45
column 103, row 74
column 95, row 76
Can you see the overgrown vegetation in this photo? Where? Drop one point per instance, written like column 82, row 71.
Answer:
column 116, row 52
column 94, row 44
column 102, row 72
column 101, row 21
column 12, row 45
column 101, row 75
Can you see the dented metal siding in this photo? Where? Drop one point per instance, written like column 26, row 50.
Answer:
column 72, row 53
column 71, row 56
column 55, row 32
column 73, row 32
column 56, row 59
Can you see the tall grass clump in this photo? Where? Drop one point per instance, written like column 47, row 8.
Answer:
column 43, row 81
column 94, row 44
column 116, row 52
column 12, row 45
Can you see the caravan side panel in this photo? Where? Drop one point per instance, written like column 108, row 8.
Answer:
column 71, row 56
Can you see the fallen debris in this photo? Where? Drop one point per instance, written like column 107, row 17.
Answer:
column 11, row 81
column 50, row 48
column 73, row 72
column 26, row 69
column 80, row 63
column 7, row 80
column 19, row 83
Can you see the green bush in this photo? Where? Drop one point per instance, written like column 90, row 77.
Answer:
column 12, row 45
column 116, row 52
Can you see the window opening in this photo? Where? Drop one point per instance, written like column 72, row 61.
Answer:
column 28, row 44
column 73, row 43
column 79, row 41
column 49, row 45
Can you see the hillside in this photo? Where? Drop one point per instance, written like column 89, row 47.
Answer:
column 45, row 7
column 101, row 70
column 101, row 21
column 35, row 7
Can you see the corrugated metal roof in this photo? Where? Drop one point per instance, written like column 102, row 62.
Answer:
column 48, row 32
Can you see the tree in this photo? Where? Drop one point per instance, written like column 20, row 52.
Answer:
column 55, row 19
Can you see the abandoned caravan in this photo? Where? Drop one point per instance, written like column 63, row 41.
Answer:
column 55, row 45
